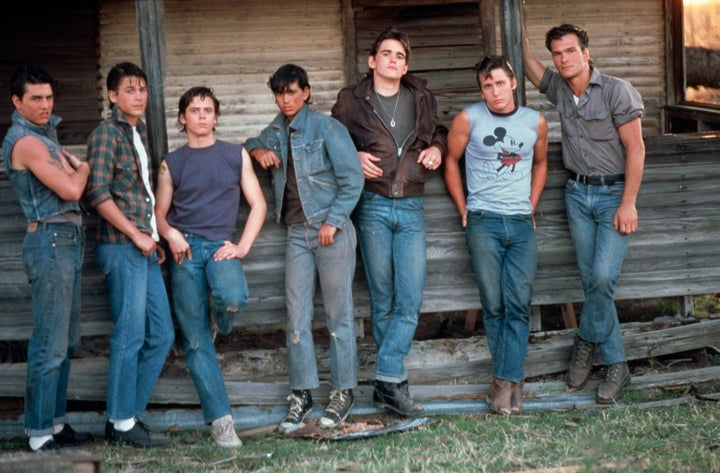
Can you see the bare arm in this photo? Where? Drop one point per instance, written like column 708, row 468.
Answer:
column 66, row 176
column 258, row 209
column 626, row 218
column 458, row 138
column 534, row 69
column 179, row 247
column 539, row 166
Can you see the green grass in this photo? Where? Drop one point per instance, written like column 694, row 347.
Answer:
column 681, row 438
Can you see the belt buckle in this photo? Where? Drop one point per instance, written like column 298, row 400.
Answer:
column 582, row 178
column 32, row 227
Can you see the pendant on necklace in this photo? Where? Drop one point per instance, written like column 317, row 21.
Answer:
column 392, row 122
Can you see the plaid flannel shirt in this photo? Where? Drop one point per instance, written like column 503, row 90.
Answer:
column 116, row 174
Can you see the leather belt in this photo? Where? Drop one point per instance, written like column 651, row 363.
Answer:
column 606, row 180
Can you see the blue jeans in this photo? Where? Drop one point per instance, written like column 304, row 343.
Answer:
column 306, row 263
column 392, row 242
column 53, row 256
column 504, row 257
column 600, row 252
column 228, row 288
column 142, row 332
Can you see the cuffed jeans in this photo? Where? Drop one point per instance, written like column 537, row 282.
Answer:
column 392, row 242
column 307, row 262
column 228, row 288
column 53, row 256
column 504, row 257
column 600, row 251
column 142, row 332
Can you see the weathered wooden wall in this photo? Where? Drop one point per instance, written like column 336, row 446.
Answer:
column 60, row 38
column 674, row 252
column 234, row 47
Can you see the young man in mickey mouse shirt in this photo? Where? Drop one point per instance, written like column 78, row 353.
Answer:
column 505, row 148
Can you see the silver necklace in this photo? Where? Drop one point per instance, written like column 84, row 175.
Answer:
column 397, row 99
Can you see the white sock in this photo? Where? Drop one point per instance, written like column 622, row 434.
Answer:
column 123, row 425
column 39, row 441
column 57, row 428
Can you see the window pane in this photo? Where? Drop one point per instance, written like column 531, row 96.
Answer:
column 702, row 50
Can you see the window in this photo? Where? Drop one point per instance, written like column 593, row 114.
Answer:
column 693, row 102
column 701, row 28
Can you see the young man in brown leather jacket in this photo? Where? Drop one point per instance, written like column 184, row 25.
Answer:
column 392, row 118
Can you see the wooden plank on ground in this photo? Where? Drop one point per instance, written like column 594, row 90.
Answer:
column 257, row 377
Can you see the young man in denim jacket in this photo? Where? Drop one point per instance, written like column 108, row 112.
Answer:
column 317, row 181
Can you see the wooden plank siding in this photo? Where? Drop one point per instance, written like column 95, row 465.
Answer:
column 674, row 252
column 65, row 48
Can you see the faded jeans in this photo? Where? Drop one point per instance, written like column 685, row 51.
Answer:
column 333, row 266
column 53, row 256
column 229, row 292
column 504, row 257
column 392, row 242
column 142, row 332
column 600, row 251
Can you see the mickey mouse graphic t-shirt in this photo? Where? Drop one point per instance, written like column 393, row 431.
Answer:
column 499, row 158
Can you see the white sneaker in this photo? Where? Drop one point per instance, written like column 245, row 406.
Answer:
column 223, row 432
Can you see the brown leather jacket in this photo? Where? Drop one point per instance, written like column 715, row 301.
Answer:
column 401, row 177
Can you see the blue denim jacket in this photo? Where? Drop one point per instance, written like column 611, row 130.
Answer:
column 38, row 202
column 327, row 167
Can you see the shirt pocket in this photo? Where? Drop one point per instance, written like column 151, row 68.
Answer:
column 313, row 158
column 125, row 175
column 600, row 126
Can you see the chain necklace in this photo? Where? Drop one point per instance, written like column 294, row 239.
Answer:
column 397, row 99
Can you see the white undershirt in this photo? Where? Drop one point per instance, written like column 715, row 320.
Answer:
column 137, row 141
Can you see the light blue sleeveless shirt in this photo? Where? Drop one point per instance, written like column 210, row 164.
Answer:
column 498, row 159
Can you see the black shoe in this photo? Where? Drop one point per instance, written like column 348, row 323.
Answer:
column 396, row 397
column 139, row 436
column 67, row 437
column 301, row 404
column 341, row 401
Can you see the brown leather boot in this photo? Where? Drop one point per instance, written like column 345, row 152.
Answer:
column 500, row 395
column 580, row 364
column 517, row 398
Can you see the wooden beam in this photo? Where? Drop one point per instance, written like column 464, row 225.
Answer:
column 151, row 32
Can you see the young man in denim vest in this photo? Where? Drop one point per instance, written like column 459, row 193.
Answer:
column 49, row 182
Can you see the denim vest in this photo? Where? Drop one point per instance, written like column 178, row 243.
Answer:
column 37, row 201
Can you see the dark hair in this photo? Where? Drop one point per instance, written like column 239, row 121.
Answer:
column 120, row 71
column 28, row 75
column 189, row 95
column 489, row 63
column 566, row 29
column 391, row 33
column 285, row 76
